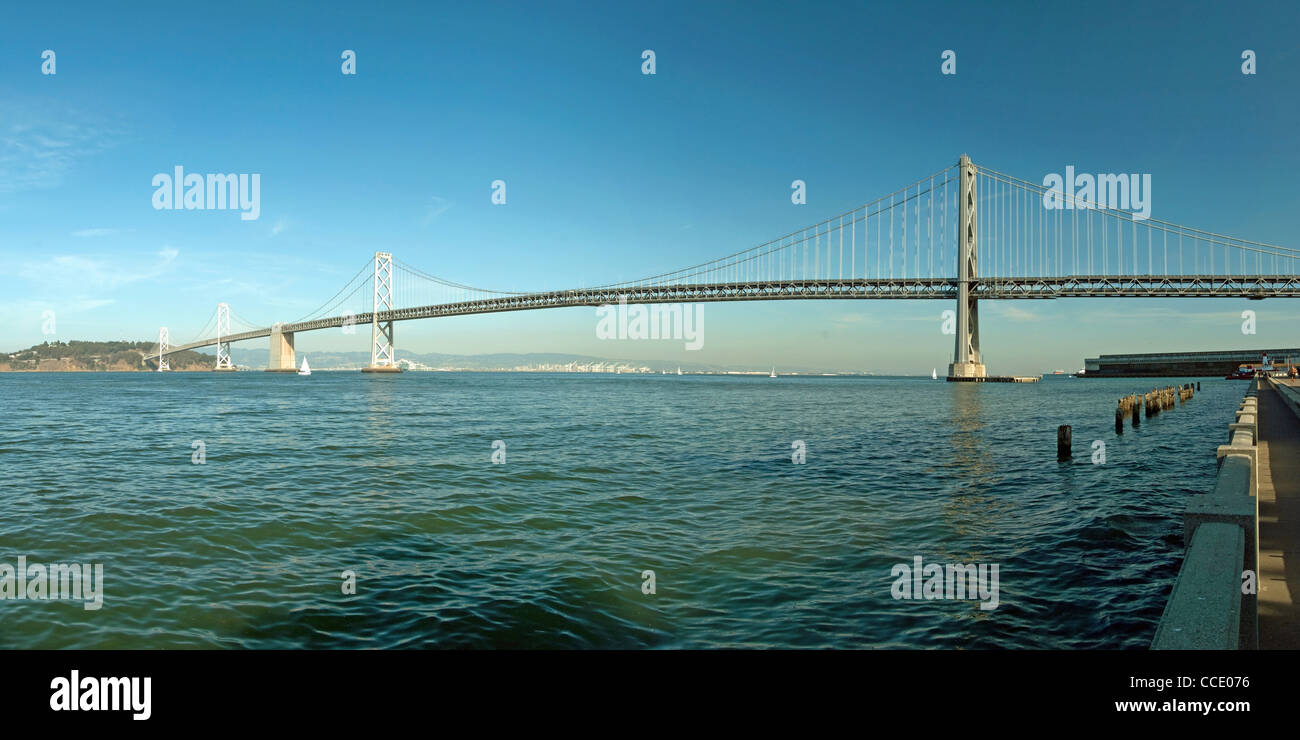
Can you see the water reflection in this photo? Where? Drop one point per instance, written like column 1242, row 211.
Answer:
column 378, row 395
column 970, row 508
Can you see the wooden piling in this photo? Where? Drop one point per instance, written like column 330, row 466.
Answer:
column 1150, row 404
column 1063, row 438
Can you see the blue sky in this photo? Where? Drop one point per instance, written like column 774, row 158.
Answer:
column 612, row 174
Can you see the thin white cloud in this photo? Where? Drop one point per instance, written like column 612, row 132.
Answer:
column 40, row 146
column 92, row 233
column 85, row 273
column 30, row 313
column 435, row 208
column 848, row 320
column 240, row 286
column 1164, row 314
column 1011, row 312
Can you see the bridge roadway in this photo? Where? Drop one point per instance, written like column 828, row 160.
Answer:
column 1113, row 286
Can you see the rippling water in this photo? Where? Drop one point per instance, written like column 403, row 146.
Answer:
column 605, row 476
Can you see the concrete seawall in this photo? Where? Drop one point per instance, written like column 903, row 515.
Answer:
column 1208, row 609
column 1279, row 515
column 1248, row 525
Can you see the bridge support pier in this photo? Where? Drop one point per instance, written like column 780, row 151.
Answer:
column 381, row 332
column 966, row 362
column 282, row 358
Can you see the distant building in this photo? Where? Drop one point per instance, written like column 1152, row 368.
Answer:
column 1173, row 364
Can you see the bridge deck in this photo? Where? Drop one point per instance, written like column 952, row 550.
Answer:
column 1279, row 522
column 902, row 288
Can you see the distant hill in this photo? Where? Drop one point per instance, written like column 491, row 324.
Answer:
column 77, row 356
column 258, row 358
column 120, row 356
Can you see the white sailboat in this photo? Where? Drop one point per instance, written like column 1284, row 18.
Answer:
column 773, row 375
column 934, row 373
column 679, row 371
column 305, row 369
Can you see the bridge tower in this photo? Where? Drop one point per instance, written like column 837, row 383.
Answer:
column 223, row 330
column 164, row 344
column 966, row 362
column 381, row 333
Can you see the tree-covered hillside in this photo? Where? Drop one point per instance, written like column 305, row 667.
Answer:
column 98, row 356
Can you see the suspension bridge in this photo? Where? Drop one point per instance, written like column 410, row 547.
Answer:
column 964, row 233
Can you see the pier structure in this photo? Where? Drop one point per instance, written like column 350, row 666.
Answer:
column 1239, row 585
column 1279, row 514
column 1208, row 608
column 282, row 357
column 1216, row 364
